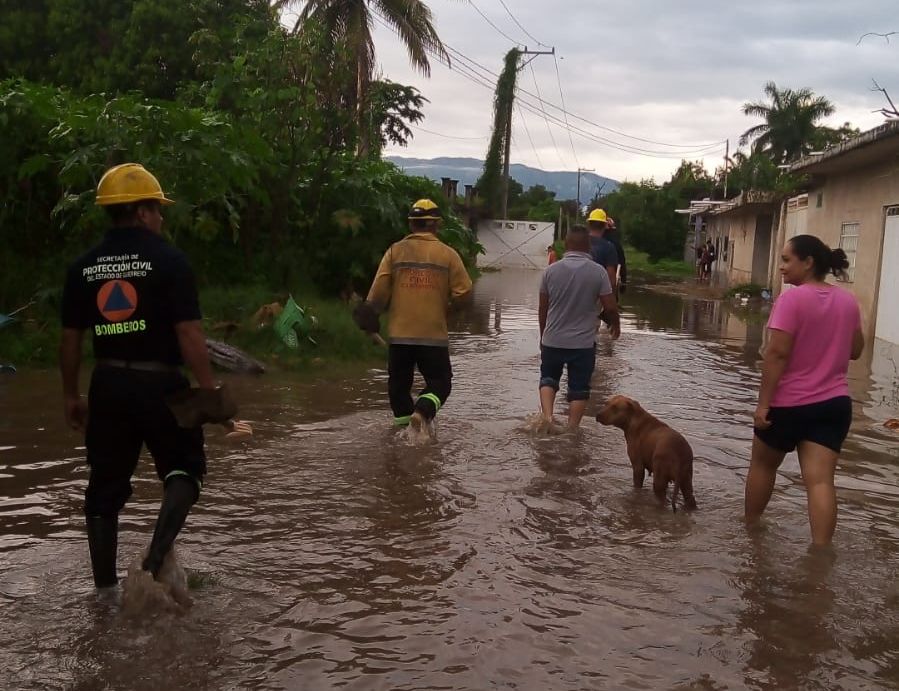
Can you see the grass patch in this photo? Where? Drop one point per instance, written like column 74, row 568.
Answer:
column 337, row 338
column 34, row 338
column 639, row 263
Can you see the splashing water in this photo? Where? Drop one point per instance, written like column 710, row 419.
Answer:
column 142, row 596
column 539, row 426
column 424, row 435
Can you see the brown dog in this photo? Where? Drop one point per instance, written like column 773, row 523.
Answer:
column 654, row 447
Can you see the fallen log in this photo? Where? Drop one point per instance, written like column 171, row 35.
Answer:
column 233, row 359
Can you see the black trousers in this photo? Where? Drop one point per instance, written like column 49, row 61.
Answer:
column 603, row 316
column 127, row 409
column 434, row 364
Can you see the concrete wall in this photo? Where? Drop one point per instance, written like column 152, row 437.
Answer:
column 747, row 234
column 742, row 234
column 857, row 196
column 793, row 218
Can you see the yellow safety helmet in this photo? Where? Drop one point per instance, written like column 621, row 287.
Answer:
column 425, row 210
column 597, row 216
column 128, row 183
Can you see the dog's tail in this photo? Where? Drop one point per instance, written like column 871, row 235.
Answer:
column 684, row 483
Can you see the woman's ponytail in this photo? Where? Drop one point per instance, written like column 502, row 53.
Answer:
column 839, row 262
column 825, row 259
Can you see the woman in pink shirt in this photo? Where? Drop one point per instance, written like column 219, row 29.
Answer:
column 804, row 404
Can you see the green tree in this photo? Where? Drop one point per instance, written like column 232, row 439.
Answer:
column 790, row 128
column 349, row 23
column 392, row 107
column 117, row 46
column 536, row 204
column 691, row 181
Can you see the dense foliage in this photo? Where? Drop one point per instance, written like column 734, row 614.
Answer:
column 249, row 127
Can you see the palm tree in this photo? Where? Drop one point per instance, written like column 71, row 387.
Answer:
column 349, row 23
column 790, row 128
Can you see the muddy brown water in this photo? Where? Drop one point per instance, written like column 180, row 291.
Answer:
column 333, row 555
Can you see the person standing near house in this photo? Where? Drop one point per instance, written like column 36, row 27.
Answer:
column 569, row 293
column 417, row 280
column 709, row 258
column 704, row 262
column 137, row 296
column 804, row 404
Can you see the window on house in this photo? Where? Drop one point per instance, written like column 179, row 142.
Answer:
column 849, row 244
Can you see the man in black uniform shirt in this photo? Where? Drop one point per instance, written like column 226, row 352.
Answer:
column 136, row 295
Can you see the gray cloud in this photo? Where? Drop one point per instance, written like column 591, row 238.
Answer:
column 668, row 71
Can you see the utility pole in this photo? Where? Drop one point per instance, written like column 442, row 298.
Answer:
column 579, row 171
column 726, row 165
column 508, row 151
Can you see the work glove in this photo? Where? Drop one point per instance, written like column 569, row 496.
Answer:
column 196, row 407
column 366, row 318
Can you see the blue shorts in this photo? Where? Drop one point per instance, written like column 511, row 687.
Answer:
column 580, row 362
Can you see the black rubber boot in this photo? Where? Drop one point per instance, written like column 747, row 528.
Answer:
column 180, row 494
column 103, row 540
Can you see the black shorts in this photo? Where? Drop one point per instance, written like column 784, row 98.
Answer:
column 825, row 423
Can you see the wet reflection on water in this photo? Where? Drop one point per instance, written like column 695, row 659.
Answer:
column 335, row 554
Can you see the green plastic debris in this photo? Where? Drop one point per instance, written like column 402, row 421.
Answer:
column 292, row 321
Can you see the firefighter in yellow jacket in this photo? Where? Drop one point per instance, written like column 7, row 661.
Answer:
column 418, row 278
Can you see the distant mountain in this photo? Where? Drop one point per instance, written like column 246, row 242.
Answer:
column 468, row 170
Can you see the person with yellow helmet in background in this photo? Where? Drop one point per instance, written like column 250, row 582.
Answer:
column 613, row 235
column 417, row 280
column 601, row 249
column 136, row 294
column 603, row 252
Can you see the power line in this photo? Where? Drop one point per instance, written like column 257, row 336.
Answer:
column 585, row 120
column 525, row 123
column 486, row 82
column 546, row 119
column 472, row 74
column 565, row 110
column 447, row 136
column 514, row 19
column 487, row 19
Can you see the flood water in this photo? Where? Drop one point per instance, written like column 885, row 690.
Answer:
column 334, row 555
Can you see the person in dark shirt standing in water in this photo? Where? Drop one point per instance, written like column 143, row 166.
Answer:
column 137, row 296
column 613, row 235
column 604, row 252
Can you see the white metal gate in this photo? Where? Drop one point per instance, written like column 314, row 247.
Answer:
column 887, row 326
column 520, row 244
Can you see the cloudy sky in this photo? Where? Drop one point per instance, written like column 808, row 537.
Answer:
column 674, row 72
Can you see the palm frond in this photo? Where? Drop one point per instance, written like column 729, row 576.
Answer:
column 413, row 21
